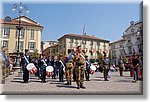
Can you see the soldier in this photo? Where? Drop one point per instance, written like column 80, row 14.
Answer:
column 135, row 63
column 80, row 68
column 87, row 71
column 42, row 62
column 69, row 67
column 4, row 64
column 106, row 67
column 121, row 66
column 24, row 62
column 54, row 64
column 61, row 67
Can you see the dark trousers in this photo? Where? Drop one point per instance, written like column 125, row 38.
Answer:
column 74, row 74
column 121, row 71
column 43, row 75
column 25, row 75
column 54, row 72
column 106, row 72
column 135, row 76
column 61, row 75
column 38, row 72
column 87, row 74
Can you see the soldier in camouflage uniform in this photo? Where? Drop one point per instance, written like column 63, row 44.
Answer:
column 69, row 67
column 80, row 68
column 106, row 64
column 121, row 66
column 3, row 65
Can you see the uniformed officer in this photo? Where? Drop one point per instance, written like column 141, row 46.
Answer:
column 87, row 71
column 69, row 58
column 121, row 66
column 4, row 65
column 61, row 67
column 54, row 63
column 24, row 62
column 80, row 68
column 42, row 62
column 106, row 64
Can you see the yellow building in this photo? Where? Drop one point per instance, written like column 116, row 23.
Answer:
column 91, row 45
column 30, row 37
column 53, row 50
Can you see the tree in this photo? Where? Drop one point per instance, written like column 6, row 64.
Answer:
column 100, row 58
column 35, row 54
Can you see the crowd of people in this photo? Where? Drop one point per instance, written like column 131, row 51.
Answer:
column 72, row 67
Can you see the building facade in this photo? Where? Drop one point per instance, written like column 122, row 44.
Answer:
column 30, row 36
column 133, row 39
column 51, row 51
column 130, row 44
column 116, row 50
column 47, row 44
column 91, row 45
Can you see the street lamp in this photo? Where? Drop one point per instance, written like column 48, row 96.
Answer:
column 19, row 28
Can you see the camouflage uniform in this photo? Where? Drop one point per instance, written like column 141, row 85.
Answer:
column 80, row 69
column 3, row 69
column 106, row 68
column 69, row 69
column 121, row 67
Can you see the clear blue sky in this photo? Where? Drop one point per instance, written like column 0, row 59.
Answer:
column 104, row 20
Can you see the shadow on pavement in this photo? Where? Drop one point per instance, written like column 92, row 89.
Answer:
column 66, row 86
column 38, row 81
column 97, row 79
column 17, row 81
column 130, row 81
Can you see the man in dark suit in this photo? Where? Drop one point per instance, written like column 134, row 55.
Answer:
column 24, row 62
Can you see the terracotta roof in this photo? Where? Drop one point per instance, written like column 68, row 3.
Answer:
column 51, row 47
column 16, row 22
column 83, row 36
column 51, row 41
column 116, row 41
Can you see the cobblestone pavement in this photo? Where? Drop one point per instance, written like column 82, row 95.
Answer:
column 116, row 85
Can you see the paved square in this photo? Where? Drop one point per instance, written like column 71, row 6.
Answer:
column 117, row 85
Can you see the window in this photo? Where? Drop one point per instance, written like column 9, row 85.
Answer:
column 138, row 38
column 22, row 32
column 121, row 52
column 130, row 49
column 121, row 45
column 6, row 32
column 7, row 19
column 71, row 40
column 20, row 45
column 53, row 50
column 32, row 34
column 71, row 44
column 91, row 42
column 114, row 54
column 129, row 41
column 5, row 43
column 83, row 42
column 32, row 45
column 98, row 44
column 104, row 45
column 76, row 41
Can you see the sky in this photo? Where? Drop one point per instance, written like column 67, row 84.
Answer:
column 103, row 20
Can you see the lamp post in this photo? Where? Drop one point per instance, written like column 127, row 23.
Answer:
column 19, row 28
